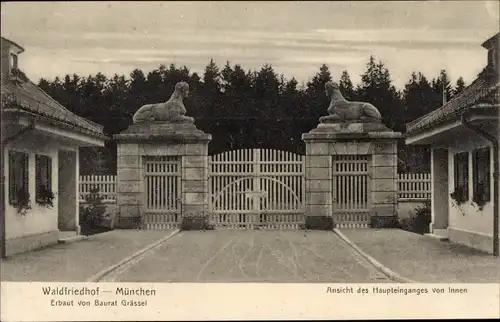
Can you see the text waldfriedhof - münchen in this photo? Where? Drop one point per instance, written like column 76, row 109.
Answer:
column 96, row 291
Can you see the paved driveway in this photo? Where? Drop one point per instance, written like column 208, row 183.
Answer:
column 78, row 261
column 250, row 256
column 424, row 259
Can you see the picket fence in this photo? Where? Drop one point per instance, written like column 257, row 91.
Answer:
column 414, row 186
column 411, row 187
column 106, row 185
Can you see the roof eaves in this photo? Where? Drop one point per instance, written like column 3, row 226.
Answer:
column 490, row 42
column 21, row 49
column 441, row 110
column 99, row 126
column 440, row 115
column 20, row 110
column 78, row 121
column 485, row 109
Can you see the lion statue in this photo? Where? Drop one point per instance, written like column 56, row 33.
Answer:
column 172, row 111
column 342, row 110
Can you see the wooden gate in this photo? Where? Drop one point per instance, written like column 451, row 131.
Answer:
column 257, row 188
column 351, row 191
column 163, row 192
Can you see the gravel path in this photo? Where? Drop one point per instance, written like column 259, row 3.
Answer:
column 250, row 256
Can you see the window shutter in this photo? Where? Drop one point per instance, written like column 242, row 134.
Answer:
column 43, row 176
column 488, row 174
column 465, row 165
column 476, row 163
column 12, row 179
column 455, row 171
column 18, row 175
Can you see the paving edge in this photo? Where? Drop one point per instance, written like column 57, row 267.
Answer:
column 72, row 239
column 440, row 238
column 384, row 269
column 106, row 271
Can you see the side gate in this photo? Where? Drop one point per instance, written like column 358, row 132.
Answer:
column 351, row 191
column 162, row 183
column 257, row 188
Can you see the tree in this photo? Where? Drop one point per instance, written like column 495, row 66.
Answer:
column 376, row 87
column 226, row 74
column 345, row 85
column 137, row 95
column 411, row 98
column 418, row 97
column 459, row 86
column 265, row 96
column 317, row 84
column 212, row 78
column 210, row 102
column 442, row 87
column 154, row 86
column 292, row 121
column 242, row 108
column 316, row 99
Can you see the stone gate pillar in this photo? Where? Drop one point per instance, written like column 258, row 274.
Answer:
column 353, row 138
column 157, row 139
column 376, row 143
column 162, row 130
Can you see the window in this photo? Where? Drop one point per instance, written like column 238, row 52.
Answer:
column 13, row 61
column 43, row 165
column 493, row 57
column 481, row 175
column 18, row 177
column 461, row 174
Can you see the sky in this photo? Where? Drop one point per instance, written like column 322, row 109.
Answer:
column 294, row 37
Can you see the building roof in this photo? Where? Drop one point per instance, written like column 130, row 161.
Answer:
column 484, row 89
column 19, row 48
column 26, row 96
column 491, row 42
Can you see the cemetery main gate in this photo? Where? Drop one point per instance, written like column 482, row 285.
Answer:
column 257, row 188
column 164, row 174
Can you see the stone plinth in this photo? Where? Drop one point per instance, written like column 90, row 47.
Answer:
column 373, row 140
column 150, row 139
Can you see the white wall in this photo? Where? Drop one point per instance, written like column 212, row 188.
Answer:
column 468, row 217
column 68, row 195
column 440, row 189
column 39, row 219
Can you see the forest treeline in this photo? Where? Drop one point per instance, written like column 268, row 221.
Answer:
column 247, row 109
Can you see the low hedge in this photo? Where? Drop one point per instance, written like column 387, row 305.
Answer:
column 419, row 220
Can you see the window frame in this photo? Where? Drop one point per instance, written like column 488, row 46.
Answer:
column 18, row 177
column 14, row 61
column 461, row 176
column 493, row 57
column 481, row 160
column 42, row 161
